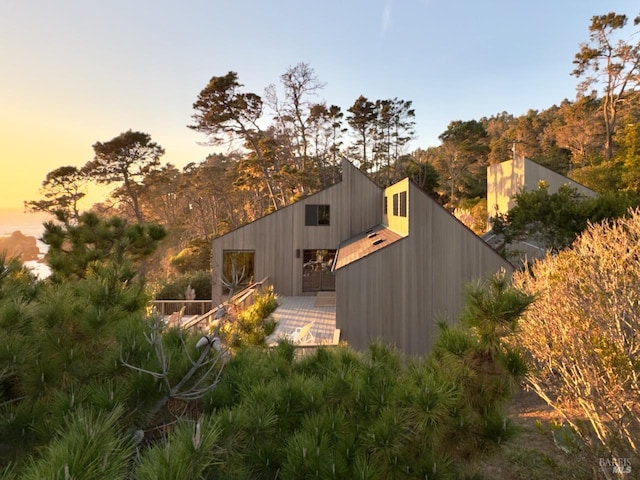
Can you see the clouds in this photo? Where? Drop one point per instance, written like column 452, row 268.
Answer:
column 386, row 18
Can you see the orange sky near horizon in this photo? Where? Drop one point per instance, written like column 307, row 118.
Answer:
column 32, row 147
column 30, row 151
column 13, row 218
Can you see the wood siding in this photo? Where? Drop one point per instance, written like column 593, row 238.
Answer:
column 506, row 179
column 355, row 205
column 400, row 292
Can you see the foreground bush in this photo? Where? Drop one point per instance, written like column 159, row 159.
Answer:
column 582, row 335
column 145, row 409
column 376, row 415
column 252, row 325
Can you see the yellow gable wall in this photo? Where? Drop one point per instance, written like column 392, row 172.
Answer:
column 504, row 180
column 398, row 224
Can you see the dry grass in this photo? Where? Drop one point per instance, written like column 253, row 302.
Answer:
column 532, row 453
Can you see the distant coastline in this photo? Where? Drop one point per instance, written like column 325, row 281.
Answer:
column 28, row 228
column 29, row 225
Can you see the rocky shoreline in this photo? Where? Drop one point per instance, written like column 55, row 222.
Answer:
column 20, row 245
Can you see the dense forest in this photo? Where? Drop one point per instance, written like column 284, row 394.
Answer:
column 93, row 385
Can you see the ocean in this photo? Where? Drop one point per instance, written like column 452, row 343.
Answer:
column 30, row 225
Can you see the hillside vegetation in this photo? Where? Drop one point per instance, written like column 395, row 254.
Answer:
column 93, row 387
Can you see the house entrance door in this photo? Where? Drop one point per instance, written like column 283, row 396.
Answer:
column 316, row 271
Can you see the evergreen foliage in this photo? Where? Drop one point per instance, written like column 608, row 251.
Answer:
column 195, row 256
column 553, row 221
column 97, row 246
column 252, row 325
column 89, row 445
column 89, row 385
column 187, row 452
column 61, row 190
column 62, row 352
column 125, row 160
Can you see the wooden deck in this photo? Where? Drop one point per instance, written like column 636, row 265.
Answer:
column 184, row 319
column 307, row 321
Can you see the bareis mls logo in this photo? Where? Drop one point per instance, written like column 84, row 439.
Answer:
column 616, row 465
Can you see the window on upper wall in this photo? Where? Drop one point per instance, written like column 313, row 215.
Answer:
column 403, row 204
column 317, row 215
column 384, row 205
column 400, row 204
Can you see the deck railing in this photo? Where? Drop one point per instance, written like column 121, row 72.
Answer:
column 239, row 301
column 191, row 307
column 245, row 297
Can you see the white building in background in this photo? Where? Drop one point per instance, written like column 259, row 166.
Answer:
column 506, row 179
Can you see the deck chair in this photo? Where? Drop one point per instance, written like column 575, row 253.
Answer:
column 303, row 335
column 175, row 318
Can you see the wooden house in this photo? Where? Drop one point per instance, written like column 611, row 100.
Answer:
column 396, row 259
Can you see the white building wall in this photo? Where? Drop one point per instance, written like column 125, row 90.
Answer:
column 506, row 179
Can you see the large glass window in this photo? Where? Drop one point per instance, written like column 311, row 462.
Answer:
column 237, row 270
column 317, row 215
column 316, row 270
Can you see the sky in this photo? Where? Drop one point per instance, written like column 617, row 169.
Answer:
column 75, row 72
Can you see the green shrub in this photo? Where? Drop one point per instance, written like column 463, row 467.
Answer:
column 253, row 324
column 91, row 446
column 334, row 413
column 186, row 452
column 196, row 256
column 175, row 288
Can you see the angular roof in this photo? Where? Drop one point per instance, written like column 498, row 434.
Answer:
column 366, row 243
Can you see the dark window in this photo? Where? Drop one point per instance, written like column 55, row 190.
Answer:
column 384, row 206
column 317, row 215
column 395, row 204
column 403, row 204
